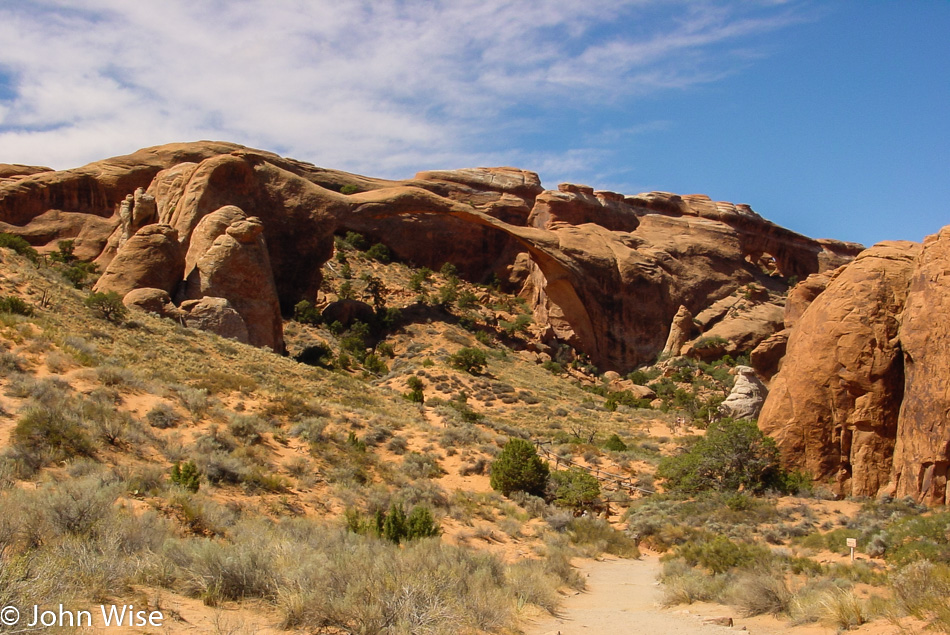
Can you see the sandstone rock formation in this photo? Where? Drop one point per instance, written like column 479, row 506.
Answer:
column 766, row 358
column 150, row 300
column 746, row 397
column 680, row 331
column 922, row 455
column 605, row 273
column 833, row 407
column 215, row 315
column 235, row 266
column 152, row 258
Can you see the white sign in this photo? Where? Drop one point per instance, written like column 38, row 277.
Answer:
column 852, row 542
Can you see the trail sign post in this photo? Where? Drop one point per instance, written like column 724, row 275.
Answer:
column 852, row 542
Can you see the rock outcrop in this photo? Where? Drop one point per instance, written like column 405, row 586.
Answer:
column 680, row 331
column 746, row 397
column 605, row 273
column 152, row 258
column 235, row 266
column 833, row 407
column 922, row 455
column 215, row 315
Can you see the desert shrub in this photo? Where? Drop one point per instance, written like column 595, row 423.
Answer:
column 760, row 594
column 642, row 377
column 720, row 554
column 415, row 393
column 247, row 428
column 394, row 525
column 215, row 571
column 733, row 455
column 597, row 537
column 519, row 468
column 50, row 434
column 468, row 359
column 919, row 538
column 78, row 507
column 306, row 313
column 417, row 465
column 185, row 475
column 921, row 589
column 107, row 306
column 374, row 364
column 356, row 241
column 624, row 398
column 685, row 585
column 19, row 245
column 843, row 609
column 529, row 581
column 714, row 341
column 310, row 429
column 419, row 278
column 13, row 304
column 574, row 488
column 162, row 416
column 380, row 252
column 615, row 444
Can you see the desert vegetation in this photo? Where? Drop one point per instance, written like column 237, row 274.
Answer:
column 149, row 460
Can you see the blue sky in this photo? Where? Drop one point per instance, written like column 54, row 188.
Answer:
column 830, row 118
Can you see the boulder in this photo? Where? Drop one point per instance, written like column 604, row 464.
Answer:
column 152, row 258
column 215, row 315
column 833, row 407
column 922, row 453
column 746, row 397
column 151, row 300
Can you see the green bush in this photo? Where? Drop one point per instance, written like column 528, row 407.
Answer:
column 349, row 188
column 574, row 488
column 306, row 313
column 13, row 304
column 19, row 245
column 714, row 341
column 733, row 455
column 720, row 554
column 50, row 434
column 394, row 525
column 615, row 444
column 356, row 241
column 469, row 359
column 415, row 393
column 518, row 468
column 185, row 475
column 108, row 306
column 380, row 252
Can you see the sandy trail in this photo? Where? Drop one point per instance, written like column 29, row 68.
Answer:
column 622, row 599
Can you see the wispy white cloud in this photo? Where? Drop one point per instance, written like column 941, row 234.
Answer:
column 380, row 87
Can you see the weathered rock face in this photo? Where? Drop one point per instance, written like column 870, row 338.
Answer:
column 151, row 258
column 833, row 407
column 766, row 358
column 746, row 397
column 235, row 266
column 215, row 315
column 680, row 331
column 150, row 300
column 922, row 455
column 605, row 273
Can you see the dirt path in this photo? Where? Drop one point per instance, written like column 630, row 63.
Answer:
column 622, row 599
